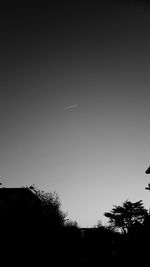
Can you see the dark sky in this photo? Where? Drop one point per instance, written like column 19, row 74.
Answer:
column 74, row 105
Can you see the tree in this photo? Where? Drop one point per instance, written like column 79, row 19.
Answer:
column 50, row 210
column 71, row 224
column 125, row 216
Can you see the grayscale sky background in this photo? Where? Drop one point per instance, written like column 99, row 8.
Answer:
column 75, row 103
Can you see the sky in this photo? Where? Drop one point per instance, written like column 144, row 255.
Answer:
column 75, row 103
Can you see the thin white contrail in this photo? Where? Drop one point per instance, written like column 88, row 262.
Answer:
column 71, row 106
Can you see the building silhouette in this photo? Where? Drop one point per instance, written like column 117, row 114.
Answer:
column 18, row 202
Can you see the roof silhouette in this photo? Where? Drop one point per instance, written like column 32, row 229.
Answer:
column 18, row 201
column 148, row 170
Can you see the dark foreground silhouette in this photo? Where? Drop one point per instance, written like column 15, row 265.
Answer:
column 33, row 231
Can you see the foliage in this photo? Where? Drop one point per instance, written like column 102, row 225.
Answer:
column 71, row 224
column 125, row 216
column 50, row 207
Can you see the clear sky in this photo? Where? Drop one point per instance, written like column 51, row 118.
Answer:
column 75, row 103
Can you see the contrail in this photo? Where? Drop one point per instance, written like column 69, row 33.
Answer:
column 71, row 106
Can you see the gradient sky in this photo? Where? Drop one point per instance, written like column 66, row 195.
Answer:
column 75, row 103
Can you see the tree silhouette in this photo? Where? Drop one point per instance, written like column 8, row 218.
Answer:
column 125, row 216
column 71, row 224
column 50, row 209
